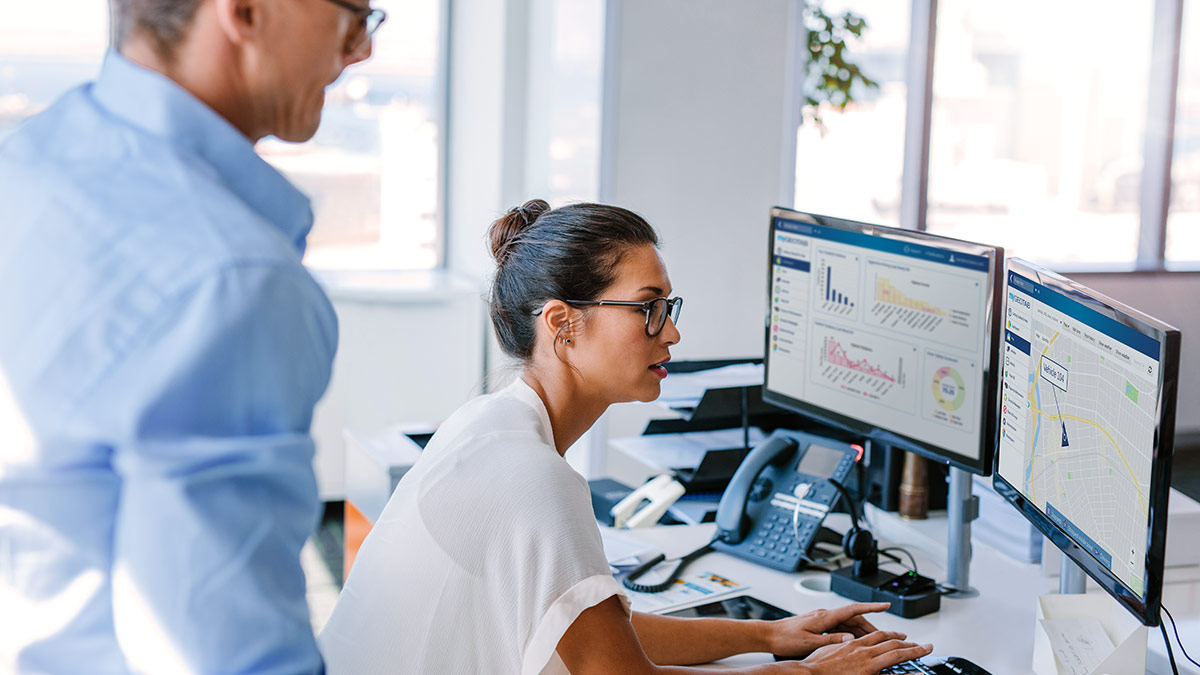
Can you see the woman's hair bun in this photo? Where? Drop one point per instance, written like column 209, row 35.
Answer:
column 507, row 229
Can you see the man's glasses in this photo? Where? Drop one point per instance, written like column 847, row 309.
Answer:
column 657, row 310
column 369, row 21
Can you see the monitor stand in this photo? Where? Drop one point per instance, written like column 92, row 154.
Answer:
column 1071, row 578
column 961, row 508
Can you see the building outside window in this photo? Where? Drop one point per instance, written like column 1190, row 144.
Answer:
column 1039, row 112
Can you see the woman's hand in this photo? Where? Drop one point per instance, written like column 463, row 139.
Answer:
column 865, row 655
column 802, row 635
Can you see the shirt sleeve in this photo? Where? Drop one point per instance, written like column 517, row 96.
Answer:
column 218, row 493
column 516, row 516
column 566, row 571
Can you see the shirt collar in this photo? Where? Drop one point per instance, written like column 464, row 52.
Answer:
column 521, row 389
column 157, row 105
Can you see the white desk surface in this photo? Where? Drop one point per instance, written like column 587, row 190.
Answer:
column 994, row 629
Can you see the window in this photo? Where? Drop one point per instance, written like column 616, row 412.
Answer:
column 372, row 170
column 45, row 53
column 852, row 169
column 1183, row 221
column 571, row 102
column 1037, row 129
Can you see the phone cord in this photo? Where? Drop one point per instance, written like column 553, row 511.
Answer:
column 630, row 583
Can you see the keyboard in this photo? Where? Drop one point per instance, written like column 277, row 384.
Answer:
column 951, row 665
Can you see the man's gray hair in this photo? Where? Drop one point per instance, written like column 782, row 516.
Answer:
column 164, row 22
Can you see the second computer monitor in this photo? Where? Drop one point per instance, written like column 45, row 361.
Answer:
column 886, row 332
column 1087, row 428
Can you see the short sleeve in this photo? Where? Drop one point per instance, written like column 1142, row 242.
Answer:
column 519, row 518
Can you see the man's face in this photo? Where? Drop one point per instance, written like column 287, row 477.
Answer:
column 306, row 51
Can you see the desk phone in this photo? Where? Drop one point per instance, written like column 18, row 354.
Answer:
column 773, row 508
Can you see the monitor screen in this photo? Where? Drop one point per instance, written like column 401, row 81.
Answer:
column 886, row 332
column 1086, row 422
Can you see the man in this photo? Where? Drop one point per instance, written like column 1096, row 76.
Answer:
column 161, row 347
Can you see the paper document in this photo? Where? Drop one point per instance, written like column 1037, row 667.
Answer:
column 1079, row 643
column 685, row 591
column 623, row 549
column 684, row 451
column 684, row 390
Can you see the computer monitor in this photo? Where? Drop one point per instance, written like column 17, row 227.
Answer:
column 1087, row 429
column 886, row 332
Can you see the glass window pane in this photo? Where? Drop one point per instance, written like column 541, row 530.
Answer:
column 44, row 53
column 573, row 102
column 1038, row 119
column 1183, row 220
column 852, row 168
column 372, row 169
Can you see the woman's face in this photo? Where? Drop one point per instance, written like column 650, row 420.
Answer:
column 611, row 349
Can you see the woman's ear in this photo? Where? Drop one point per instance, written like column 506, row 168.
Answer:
column 556, row 323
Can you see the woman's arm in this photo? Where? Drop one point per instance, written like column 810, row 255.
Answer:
column 675, row 640
column 603, row 640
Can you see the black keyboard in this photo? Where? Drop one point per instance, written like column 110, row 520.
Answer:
column 951, row 665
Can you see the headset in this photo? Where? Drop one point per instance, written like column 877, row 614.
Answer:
column 857, row 543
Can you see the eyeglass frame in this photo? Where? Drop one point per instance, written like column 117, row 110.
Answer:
column 674, row 306
column 364, row 14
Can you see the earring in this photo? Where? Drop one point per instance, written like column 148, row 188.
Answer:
column 567, row 341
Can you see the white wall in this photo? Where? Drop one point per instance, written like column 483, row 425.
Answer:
column 410, row 350
column 698, row 135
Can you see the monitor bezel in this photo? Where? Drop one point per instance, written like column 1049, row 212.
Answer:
column 990, row 373
column 1146, row 608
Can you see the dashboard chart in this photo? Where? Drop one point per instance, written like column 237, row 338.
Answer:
column 881, row 330
column 924, row 303
column 837, row 282
column 872, row 367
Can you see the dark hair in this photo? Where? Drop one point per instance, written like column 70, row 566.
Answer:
column 164, row 22
column 568, row 253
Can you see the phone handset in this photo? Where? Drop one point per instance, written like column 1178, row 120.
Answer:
column 732, row 523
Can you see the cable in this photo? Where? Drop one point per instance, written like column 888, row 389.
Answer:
column 1176, row 629
column 911, row 559
column 1167, row 642
column 628, row 581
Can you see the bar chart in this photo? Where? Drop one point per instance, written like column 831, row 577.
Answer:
column 837, row 283
column 923, row 303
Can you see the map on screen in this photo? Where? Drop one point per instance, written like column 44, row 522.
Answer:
column 1079, row 412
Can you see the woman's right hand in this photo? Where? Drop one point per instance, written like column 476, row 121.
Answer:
column 866, row 655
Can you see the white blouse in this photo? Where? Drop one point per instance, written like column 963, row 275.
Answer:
column 484, row 556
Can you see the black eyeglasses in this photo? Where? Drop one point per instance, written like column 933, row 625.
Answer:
column 369, row 21
column 657, row 310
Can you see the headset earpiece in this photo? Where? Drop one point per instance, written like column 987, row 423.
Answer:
column 858, row 543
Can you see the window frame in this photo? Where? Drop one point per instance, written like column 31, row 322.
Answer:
column 1159, row 135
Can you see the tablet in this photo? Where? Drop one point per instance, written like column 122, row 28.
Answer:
column 740, row 607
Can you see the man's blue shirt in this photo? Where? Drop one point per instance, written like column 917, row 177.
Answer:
column 161, row 351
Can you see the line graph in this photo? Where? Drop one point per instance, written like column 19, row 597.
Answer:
column 835, row 353
column 872, row 368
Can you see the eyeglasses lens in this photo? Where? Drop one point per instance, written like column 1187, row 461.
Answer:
column 362, row 32
column 656, row 318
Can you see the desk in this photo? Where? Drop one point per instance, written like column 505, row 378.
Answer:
column 995, row 629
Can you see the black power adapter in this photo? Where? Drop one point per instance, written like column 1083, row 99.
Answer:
column 911, row 594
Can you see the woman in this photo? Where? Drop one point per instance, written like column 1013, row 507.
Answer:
column 487, row 559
